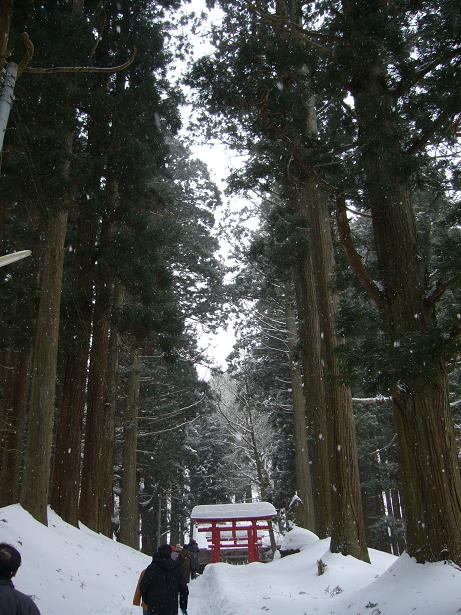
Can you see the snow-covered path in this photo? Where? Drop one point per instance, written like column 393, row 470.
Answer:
column 288, row 586
column 292, row 586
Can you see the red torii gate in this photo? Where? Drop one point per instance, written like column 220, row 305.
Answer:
column 234, row 526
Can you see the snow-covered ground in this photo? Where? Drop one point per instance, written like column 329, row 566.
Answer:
column 78, row 572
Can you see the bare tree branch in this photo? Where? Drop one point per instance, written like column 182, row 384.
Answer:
column 446, row 120
column 99, row 70
column 352, row 255
column 292, row 28
column 378, row 450
column 438, row 291
column 28, row 44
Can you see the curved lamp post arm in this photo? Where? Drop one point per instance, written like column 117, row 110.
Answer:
column 14, row 256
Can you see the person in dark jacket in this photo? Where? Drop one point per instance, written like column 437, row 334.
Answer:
column 162, row 583
column 184, row 560
column 194, row 552
column 12, row 601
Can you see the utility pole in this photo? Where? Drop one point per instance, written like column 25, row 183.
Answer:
column 6, row 98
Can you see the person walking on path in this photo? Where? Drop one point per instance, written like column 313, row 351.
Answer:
column 160, row 585
column 194, row 551
column 12, row 601
column 137, row 598
column 184, row 559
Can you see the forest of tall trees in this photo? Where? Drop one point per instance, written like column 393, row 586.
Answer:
column 341, row 397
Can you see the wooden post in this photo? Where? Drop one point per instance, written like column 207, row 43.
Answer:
column 215, row 543
column 255, row 541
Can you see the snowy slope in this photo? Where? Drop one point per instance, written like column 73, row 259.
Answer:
column 71, row 571
column 78, row 572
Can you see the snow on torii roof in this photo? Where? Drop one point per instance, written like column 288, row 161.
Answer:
column 228, row 512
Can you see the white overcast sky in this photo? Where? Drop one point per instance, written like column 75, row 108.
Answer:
column 220, row 162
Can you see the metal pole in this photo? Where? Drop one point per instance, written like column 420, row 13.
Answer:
column 6, row 98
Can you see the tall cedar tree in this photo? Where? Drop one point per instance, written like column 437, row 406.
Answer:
column 399, row 110
column 143, row 111
column 268, row 93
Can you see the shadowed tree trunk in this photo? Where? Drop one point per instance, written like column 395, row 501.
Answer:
column 174, row 520
column 373, row 507
column 67, row 457
column 34, row 492
column 147, row 523
column 15, row 421
column 6, row 403
column 92, row 488
column 110, row 413
column 302, row 467
column 129, row 513
column 314, row 392
column 6, row 9
column 348, row 530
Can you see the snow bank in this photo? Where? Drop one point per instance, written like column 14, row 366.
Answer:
column 298, row 538
column 71, row 571
column 291, row 586
column 407, row 587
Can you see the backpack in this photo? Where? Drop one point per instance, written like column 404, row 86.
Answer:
column 159, row 588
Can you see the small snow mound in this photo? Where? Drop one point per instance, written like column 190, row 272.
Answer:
column 298, row 538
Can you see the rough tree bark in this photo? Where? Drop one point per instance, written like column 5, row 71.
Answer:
column 129, row 513
column 348, row 529
column 110, row 413
column 148, row 523
column 174, row 520
column 34, row 492
column 67, row 456
column 302, row 467
column 314, row 391
column 92, row 488
column 13, row 422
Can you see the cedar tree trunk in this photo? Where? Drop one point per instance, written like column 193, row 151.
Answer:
column 314, row 392
column 15, row 420
column 110, row 413
column 129, row 507
column 302, row 467
column 67, row 456
column 348, row 529
column 92, row 488
column 34, row 492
